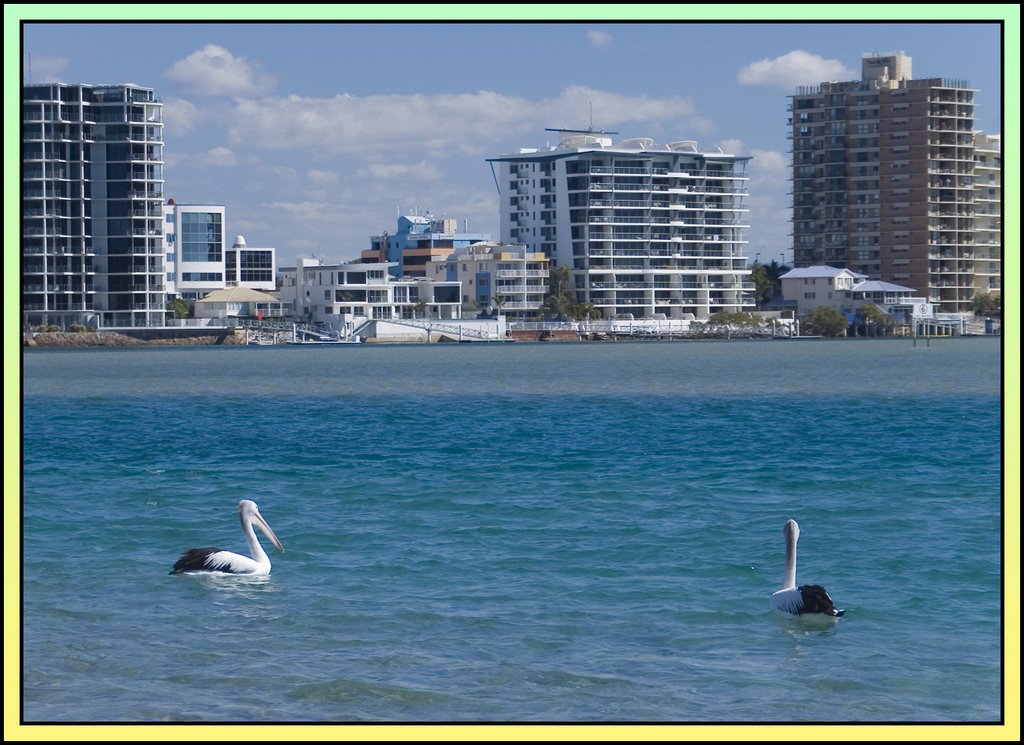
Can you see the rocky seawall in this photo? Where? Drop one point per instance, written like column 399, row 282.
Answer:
column 116, row 339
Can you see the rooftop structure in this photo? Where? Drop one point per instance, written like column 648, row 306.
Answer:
column 419, row 239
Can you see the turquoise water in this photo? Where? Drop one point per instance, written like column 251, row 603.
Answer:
column 515, row 533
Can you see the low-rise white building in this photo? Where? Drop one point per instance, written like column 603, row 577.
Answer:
column 341, row 295
column 250, row 266
column 848, row 291
column 198, row 260
column 238, row 303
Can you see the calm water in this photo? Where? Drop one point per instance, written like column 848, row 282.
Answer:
column 549, row 532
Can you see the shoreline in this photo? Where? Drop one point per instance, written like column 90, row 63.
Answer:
column 107, row 339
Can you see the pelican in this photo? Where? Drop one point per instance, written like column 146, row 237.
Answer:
column 806, row 599
column 217, row 560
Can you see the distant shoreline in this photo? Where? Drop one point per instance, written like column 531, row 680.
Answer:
column 107, row 339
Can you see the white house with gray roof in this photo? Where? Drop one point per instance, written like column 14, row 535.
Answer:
column 848, row 291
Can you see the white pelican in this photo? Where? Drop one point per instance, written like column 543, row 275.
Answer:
column 217, row 560
column 806, row 599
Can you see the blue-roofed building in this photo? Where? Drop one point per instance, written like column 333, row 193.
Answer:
column 418, row 240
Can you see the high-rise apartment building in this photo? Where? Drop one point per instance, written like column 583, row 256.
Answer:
column 988, row 216
column 647, row 230
column 885, row 181
column 92, row 187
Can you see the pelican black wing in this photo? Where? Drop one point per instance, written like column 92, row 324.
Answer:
column 817, row 600
column 194, row 560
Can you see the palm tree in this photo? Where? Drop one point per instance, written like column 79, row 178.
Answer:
column 559, row 303
column 773, row 273
column 763, row 286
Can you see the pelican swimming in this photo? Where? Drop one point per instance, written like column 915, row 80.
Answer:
column 806, row 599
column 217, row 560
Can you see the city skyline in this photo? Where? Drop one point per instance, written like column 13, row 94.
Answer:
column 316, row 136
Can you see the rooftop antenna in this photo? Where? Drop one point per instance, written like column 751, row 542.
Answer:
column 591, row 127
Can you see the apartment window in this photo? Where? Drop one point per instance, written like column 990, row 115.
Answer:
column 201, row 236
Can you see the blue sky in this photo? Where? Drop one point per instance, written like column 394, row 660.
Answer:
column 315, row 136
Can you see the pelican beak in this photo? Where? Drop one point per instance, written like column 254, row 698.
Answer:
column 267, row 531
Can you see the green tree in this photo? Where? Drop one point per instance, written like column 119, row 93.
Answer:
column 987, row 304
column 825, row 321
column 875, row 320
column 763, row 287
column 735, row 319
column 180, row 308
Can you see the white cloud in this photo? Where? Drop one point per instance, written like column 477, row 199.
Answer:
column 305, row 211
column 214, row 71
column 616, row 110
column 732, row 146
column 220, row 157
column 322, row 177
column 180, row 117
column 792, row 69
column 770, row 211
column 771, row 163
column 44, row 69
column 599, row 39
column 422, row 171
column 467, row 123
